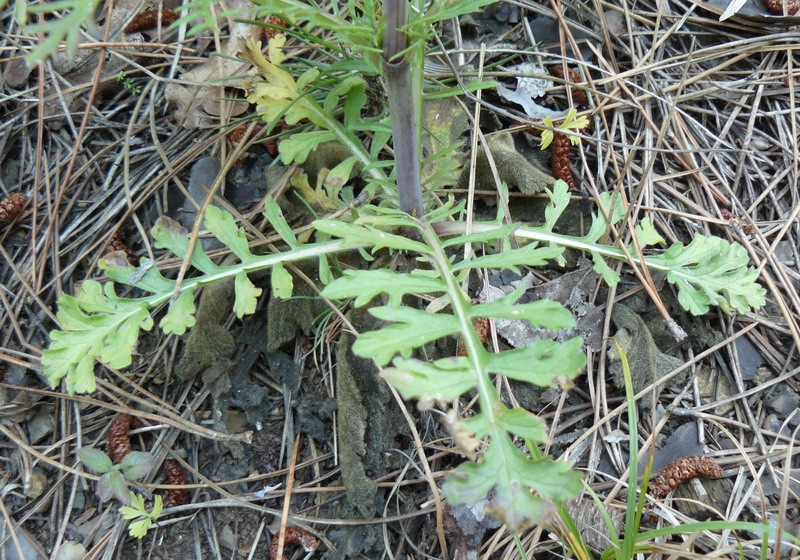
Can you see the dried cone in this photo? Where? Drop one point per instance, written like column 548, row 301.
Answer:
column 12, row 206
column 292, row 535
column 572, row 76
column 559, row 159
column 119, row 440
column 115, row 243
column 678, row 472
column 149, row 19
column 776, row 6
column 174, row 474
column 270, row 33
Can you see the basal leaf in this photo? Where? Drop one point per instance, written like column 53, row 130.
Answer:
column 247, row 294
column 540, row 363
column 646, row 235
column 413, row 328
column 364, row 285
column 559, row 200
column 180, row 315
column 442, row 381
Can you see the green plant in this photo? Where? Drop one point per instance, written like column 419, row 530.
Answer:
column 328, row 99
column 139, row 528
column 570, row 124
column 99, row 324
column 127, row 83
column 134, row 466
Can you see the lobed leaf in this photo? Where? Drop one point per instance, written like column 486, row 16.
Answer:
column 137, row 464
column 364, row 285
column 412, row 328
column 542, row 363
column 353, row 234
column 443, row 381
column 180, row 315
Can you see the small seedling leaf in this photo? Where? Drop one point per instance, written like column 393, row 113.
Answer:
column 137, row 464
column 95, row 459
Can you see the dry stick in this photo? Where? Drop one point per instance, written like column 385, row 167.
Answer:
column 287, row 499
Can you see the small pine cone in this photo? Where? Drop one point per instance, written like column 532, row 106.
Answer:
column 119, row 441
column 559, row 160
column 173, row 472
column 678, row 472
column 573, row 76
column 270, row 33
column 12, row 206
column 115, row 243
column 776, row 6
column 149, row 19
column 292, row 535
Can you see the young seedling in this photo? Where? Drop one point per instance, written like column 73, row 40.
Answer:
column 134, row 466
column 137, row 509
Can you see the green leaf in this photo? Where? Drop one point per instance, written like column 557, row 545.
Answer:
column 711, row 271
column 108, row 336
column 222, row 225
column 139, row 528
column 543, row 314
column 129, row 513
column 559, row 200
column 541, row 363
column 353, row 234
column 282, row 282
column 198, row 9
column 60, row 29
column 274, row 214
column 295, row 148
column 442, row 381
column 145, row 276
column 521, row 423
column 413, row 328
column 646, row 235
column 137, row 464
column 180, row 315
column 530, row 255
column 246, row 294
column 95, row 459
column 610, row 275
column 339, row 175
column 112, row 485
column 364, row 285
column 342, row 88
column 169, row 234
column 158, row 506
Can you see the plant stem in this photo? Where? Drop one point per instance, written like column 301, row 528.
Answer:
column 400, row 88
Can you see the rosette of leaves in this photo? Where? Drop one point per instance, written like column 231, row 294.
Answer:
column 135, row 465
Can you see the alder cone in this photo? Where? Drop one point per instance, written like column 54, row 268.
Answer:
column 678, row 472
column 115, row 243
column 173, row 472
column 574, row 76
column 292, row 535
column 559, row 160
column 12, row 206
column 148, row 19
column 119, row 439
column 776, row 6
